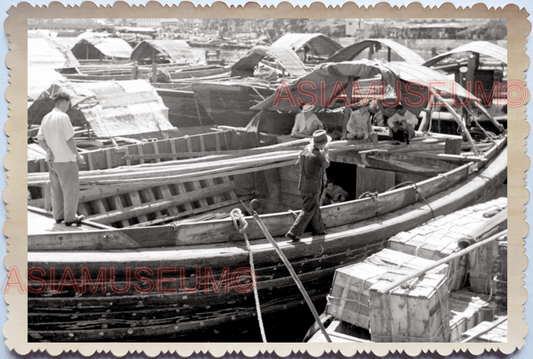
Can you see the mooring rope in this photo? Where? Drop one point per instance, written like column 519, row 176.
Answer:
column 417, row 189
column 240, row 225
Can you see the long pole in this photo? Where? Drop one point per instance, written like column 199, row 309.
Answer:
column 294, row 276
column 492, row 326
column 441, row 261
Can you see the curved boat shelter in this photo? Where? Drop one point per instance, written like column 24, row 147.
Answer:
column 309, row 45
column 376, row 48
column 99, row 48
column 281, row 58
column 163, row 51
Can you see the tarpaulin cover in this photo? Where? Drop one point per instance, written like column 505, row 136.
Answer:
column 318, row 44
column 327, row 80
column 101, row 47
column 481, row 47
column 40, row 79
column 111, row 108
column 350, row 52
column 176, row 51
column 46, row 52
column 286, row 57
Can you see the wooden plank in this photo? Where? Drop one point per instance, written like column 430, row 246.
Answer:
column 173, row 149
column 189, row 145
column 209, row 182
column 126, row 155
column 231, row 194
column 194, row 211
column 196, row 186
column 217, row 142
column 180, row 189
column 372, row 180
column 117, row 205
column 136, row 201
column 109, row 163
column 99, row 206
column 149, row 198
column 156, row 150
column 140, row 152
column 142, row 209
column 90, row 160
column 165, row 193
column 202, row 144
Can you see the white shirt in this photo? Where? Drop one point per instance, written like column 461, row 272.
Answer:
column 409, row 117
column 56, row 130
column 358, row 122
column 306, row 126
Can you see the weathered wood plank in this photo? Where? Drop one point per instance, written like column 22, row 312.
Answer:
column 140, row 209
column 136, row 202
column 372, row 180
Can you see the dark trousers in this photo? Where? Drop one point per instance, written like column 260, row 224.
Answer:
column 310, row 215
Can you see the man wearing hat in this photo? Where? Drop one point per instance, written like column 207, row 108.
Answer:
column 313, row 160
column 306, row 123
column 56, row 137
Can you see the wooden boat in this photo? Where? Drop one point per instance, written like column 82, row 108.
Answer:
column 482, row 67
column 171, row 260
column 253, row 78
column 463, row 281
column 187, row 276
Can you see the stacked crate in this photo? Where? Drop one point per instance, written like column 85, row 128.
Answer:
column 417, row 311
column 438, row 239
column 468, row 310
column 349, row 299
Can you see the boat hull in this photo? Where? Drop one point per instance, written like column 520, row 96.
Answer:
column 190, row 281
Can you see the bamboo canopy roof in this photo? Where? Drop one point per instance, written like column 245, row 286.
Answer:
column 102, row 47
column 40, row 80
column 45, row 52
column 175, row 51
column 350, row 52
column 481, row 47
column 318, row 44
column 287, row 58
column 110, row 108
column 336, row 80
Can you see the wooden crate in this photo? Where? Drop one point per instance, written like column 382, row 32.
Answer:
column 496, row 335
column 481, row 264
column 468, row 310
column 349, row 297
column 439, row 237
column 415, row 312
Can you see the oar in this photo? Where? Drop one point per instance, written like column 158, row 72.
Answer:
column 294, row 276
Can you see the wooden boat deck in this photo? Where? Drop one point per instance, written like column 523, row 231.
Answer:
column 40, row 223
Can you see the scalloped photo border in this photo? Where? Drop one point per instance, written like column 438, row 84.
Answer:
column 15, row 193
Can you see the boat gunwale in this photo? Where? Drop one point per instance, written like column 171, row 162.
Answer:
column 173, row 229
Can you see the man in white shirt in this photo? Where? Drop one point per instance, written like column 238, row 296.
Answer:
column 402, row 124
column 56, row 137
column 359, row 126
column 306, row 123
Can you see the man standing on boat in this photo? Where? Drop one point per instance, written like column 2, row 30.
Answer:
column 56, row 137
column 306, row 123
column 314, row 160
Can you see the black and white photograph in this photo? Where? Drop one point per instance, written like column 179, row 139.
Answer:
column 274, row 180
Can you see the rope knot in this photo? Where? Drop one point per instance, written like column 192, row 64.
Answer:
column 239, row 222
